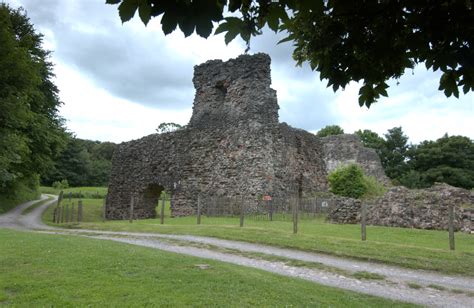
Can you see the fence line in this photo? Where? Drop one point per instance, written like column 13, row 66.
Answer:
column 291, row 209
column 257, row 209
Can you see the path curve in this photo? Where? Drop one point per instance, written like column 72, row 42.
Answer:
column 395, row 286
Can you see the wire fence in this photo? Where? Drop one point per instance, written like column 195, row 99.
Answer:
column 261, row 209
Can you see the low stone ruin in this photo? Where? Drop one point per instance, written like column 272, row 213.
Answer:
column 413, row 208
column 233, row 146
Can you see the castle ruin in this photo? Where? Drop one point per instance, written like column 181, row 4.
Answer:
column 233, row 146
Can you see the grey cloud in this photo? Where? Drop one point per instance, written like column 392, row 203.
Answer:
column 309, row 109
column 132, row 66
column 132, row 69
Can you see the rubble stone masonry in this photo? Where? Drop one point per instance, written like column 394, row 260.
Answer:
column 233, row 146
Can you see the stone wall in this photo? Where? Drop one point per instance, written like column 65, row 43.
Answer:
column 233, row 146
column 345, row 149
column 417, row 208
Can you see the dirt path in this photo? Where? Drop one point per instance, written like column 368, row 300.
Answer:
column 330, row 271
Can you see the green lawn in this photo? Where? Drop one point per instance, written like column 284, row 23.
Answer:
column 51, row 270
column 412, row 248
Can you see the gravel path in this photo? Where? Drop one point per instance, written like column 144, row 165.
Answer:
column 394, row 286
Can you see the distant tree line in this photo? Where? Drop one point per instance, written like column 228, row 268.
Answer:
column 82, row 163
column 450, row 159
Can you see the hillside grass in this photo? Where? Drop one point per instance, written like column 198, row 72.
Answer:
column 43, row 270
column 411, row 248
column 22, row 192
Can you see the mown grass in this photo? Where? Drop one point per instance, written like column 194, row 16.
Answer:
column 411, row 248
column 50, row 270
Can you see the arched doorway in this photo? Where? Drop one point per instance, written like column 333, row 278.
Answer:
column 149, row 200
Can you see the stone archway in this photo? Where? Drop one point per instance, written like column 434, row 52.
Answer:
column 148, row 200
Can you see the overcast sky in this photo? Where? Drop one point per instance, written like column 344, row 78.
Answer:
column 119, row 82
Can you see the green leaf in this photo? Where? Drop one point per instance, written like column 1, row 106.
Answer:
column 144, row 10
column 223, row 27
column 273, row 21
column 465, row 88
column 234, row 5
column 187, row 26
column 230, row 35
column 127, row 9
column 245, row 35
column 316, row 6
column 112, row 1
column 169, row 22
column 204, row 27
column 290, row 37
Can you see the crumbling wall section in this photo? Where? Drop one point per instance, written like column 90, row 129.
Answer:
column 347, row 148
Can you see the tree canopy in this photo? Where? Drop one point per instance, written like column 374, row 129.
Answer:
column 168, row 127
column 31, row 131
column 450, row 159
column 329, row 130
column 367, row 41
column 82, row 163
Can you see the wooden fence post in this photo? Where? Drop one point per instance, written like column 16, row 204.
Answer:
column 270, row 205
column 67, row 213
column 60, row 199
column 162, row 212
column 363, row 216
column 132, row 200
column 242, row 212
column 70, row 196
column 62, row 213
column 451, row 226
column 199, row 211
column 295, row 214
column 79, row 211
column 55, row 211
column 72, row 213
column 104, row 209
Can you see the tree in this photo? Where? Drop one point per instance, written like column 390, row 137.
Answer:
column 371, row 140
column 394, row 154
column 368, row 41
column 168, row 127
column 31, row 131
column 449, row 159
column 330, row 130
column 82, row 163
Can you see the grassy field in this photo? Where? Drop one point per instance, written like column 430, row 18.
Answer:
column 86, row 192
column 49, row 270
column 412, row 248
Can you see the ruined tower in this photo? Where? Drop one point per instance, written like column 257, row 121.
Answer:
column 232, row 146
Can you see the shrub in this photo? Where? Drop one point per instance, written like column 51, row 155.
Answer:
column 374, row 188
column 60, row 185
column 347, row 181
column 350, row 181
